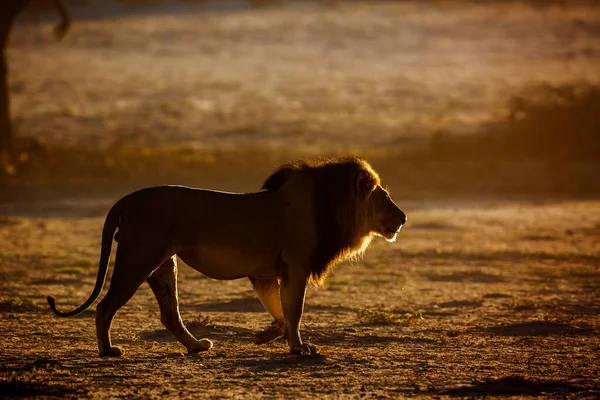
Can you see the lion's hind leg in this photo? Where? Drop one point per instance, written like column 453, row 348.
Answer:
column 163, row 282
column 267, row 291
column 131, row 268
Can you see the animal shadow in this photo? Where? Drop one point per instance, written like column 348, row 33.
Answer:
column 512, row 386
column 336, row 338
column 213, row 332
column 241, row 304
column 539, row 328
column 16, row 388
column 283, row 362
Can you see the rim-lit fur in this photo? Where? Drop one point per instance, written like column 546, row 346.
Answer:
column 310, row 215
column 342, row 217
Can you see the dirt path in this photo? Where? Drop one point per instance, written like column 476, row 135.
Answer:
column 508, row 293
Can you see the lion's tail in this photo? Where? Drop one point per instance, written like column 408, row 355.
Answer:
column 110, row 225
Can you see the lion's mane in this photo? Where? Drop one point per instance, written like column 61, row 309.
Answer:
column 340, row 208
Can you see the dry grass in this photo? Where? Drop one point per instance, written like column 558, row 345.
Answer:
column 371, row 316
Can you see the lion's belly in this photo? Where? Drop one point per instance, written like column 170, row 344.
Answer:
column 229, row 263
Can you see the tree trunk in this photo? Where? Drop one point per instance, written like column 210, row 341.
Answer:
column 8, row 12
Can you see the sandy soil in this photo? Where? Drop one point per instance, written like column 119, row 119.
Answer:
column 509, row 295
column 507, row 282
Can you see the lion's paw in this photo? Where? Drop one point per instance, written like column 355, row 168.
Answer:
column 270, row 333
column 200, row 345
column 305, row 349
column 112, row 351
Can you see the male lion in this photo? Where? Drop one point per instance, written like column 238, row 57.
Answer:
column 309, row 216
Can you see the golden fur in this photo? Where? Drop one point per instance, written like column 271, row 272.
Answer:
column 340, row 207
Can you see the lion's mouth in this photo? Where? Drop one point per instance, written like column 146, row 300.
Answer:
column 392, row 231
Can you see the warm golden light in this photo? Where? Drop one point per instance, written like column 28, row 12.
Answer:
column 481, row 117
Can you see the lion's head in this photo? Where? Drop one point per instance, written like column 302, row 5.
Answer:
column 351, row 206
column 384, row 218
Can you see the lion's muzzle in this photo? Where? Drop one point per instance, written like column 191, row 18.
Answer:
column 393, row 225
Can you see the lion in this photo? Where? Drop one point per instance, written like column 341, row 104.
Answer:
column 309, row 216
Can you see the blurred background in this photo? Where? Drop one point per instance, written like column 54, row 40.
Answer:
column 446, row 98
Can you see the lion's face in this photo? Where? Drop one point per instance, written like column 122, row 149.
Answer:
column 386, row 217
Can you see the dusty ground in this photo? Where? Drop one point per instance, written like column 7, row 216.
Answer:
column 509, row 295
column 507, row 281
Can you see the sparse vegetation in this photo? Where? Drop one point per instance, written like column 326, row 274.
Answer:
column 132, row 337
column 10, row 301
column 199, row 320
column 70, row 269
column 499, row 295
column 91, row 310
column 369, row 315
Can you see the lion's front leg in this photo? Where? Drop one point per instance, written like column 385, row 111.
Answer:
column 293, row 292
column 267, row 291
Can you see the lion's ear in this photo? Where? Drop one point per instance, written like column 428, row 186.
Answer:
column 365, row 183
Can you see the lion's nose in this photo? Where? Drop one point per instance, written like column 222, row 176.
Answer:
column 403, row 218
